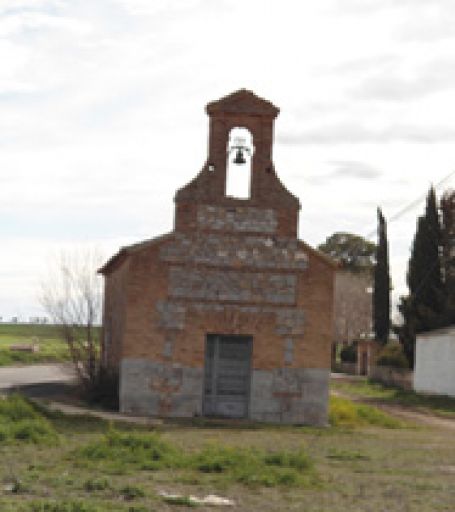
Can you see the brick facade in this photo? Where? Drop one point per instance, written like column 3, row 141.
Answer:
column 232, row 267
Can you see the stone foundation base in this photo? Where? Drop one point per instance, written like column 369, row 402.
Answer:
column 285, row 395
column 290, row 395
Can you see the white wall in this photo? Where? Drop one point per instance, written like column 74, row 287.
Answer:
column 435, row 362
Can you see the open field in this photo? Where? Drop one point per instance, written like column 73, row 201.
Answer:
column 52, row 349
column 57, row 463
column 443, row 406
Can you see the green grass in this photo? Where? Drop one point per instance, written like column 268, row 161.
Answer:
column 51, row 347
column 46, row 331
column 96, row 467
column 20, row 422
column 150, row 452
column 96, row 484
column 132, row 492
column 436, row 404
column 253, row 467
column 345, row 413
column 66, row 506
column 51, row 351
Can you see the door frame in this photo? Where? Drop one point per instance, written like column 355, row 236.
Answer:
column 217, row 337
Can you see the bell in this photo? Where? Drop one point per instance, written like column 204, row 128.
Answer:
column 239, row 158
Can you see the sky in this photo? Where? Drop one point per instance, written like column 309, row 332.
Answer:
column 102, row 117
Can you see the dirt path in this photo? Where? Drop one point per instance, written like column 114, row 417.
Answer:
column 397, row 410
column 403, row 412
column 104, row 415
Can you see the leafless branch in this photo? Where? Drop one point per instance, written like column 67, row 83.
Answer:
column 72, row 297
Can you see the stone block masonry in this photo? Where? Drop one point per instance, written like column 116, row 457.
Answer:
column 232, row 286
column 260, row 252
column 238, row 218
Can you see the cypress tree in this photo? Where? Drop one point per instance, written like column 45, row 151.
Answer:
column 423, row 309
column 381, row 291
column 425, row 279
column 448, row 233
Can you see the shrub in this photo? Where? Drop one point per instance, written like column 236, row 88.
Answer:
column 15, row 407
column 33, row 431
column 392, row 355
column 20, row 421
column 131, row 492
column 220, row 459
column 104, row 389
column 254, row 467
column 348, row 354
column 298, row 460
column 96, row 484
column 147, row 449
column 4, row 433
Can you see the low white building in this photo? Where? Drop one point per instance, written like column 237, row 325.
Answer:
column 435, row 362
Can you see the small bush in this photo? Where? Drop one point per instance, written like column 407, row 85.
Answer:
column 132, row 492
column 297, row 460
column 65, row 506
column 220, row 459
column 15, row 407
column 4, row 433
column 21, row 422
column 105, row 389
column 254, row 467
column 348, row 354
column 96, row 484
column 392, row 355
column 33, row 431
column 344, row 413
column 148, row 450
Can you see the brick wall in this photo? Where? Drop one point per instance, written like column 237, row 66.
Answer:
column 230, row 267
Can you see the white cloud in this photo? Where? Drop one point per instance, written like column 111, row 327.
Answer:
column 102, row 114
column 344, row 133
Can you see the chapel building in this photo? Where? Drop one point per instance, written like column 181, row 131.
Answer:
column 230, row 314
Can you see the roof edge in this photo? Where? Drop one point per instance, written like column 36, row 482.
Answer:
column 124, row 252
column 320, row 255
column 237, row 102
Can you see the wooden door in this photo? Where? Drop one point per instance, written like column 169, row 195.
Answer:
column 227, row 376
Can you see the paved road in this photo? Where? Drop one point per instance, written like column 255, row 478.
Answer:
column 14, row 376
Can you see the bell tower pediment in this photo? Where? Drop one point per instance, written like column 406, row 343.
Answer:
column 242, row 102
column 248, row 158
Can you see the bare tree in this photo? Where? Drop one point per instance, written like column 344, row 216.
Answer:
column 72, row 297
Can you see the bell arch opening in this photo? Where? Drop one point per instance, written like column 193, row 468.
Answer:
column 240, row 150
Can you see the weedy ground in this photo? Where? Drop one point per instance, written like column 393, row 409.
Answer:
column 367, row 461
column 439, row 405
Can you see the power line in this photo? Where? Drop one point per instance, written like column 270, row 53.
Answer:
column 413, row 203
